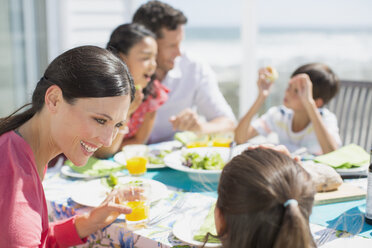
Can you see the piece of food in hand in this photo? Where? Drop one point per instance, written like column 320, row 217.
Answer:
column 272, row 74
column 324, row 177
column 138, row 87
column 111, row 181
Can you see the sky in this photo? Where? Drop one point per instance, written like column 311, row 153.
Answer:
column 282, row 13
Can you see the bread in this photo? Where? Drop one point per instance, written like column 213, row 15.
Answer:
column 324, row 177
column 273, row 74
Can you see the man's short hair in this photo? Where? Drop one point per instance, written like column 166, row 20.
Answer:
column 325, row 82
column 156, row 15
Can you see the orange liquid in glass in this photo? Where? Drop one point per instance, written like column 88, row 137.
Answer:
column 140, row 211
column 222, row 142
column 197, row 144
column 137, row 165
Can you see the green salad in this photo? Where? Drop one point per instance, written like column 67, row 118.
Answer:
column 157, row 156
column 208, row 226
column 212, row 161
column 96, row 167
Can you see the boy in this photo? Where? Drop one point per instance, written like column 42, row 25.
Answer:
column 302, row 121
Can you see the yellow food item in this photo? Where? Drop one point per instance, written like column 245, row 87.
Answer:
column 137, row 165
column 273, row 74
column 138, row 87
column 140, row 211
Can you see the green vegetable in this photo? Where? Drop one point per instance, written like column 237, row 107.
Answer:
column 208, row 226
column 112, row 180
column 159, row 157
column 96, row 167
column 211, row 161
column 185, row 137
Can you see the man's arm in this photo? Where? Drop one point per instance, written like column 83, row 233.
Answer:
column 188, row 120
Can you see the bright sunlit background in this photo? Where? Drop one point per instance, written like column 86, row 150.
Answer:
column 289, row 34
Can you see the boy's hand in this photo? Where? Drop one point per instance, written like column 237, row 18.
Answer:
column 263, row 84
column 304, row 87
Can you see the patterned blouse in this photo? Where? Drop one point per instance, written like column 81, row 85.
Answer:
column 150, row 105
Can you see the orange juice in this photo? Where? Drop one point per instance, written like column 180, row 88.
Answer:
column 140, row 211
column 222, row 142
column 136, row 165
column 197, row 144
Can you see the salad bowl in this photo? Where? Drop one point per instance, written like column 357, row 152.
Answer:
column 212, row 158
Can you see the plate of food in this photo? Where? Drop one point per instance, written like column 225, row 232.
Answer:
column 201, row 164
column 94, row 168
column 154, row 154
column 92, row 193
column 192, row 229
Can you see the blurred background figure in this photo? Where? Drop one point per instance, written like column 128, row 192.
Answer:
column 136, row 46
column 235, row 41
column 193, row 86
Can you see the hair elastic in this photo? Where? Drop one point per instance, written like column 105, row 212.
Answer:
column 290, row 202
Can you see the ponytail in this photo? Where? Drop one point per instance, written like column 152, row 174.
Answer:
column 14, row 120
column 295, row 224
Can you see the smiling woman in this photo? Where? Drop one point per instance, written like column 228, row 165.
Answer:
column 77, row 106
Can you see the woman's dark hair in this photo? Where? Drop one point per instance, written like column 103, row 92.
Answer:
column 325, row 82
column 251, row 193
column 86, row 71
column 156, row 15
column 123, row 38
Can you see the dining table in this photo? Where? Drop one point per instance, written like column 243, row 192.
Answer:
column 187, row 202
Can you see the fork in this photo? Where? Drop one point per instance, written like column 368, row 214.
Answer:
column 177, row 207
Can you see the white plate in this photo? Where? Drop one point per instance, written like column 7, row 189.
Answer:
column 67, row 171
column 174, row 160
column 357, row 171
column 120, row 158
column 185, row 228
column 92, row 193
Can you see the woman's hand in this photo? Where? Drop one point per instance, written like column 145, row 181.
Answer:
column 107, row 212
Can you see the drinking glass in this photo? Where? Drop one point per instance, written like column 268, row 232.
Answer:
column 138, row 199
column 222, row 139
column 136, row 159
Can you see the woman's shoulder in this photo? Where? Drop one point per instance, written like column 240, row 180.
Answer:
column 13, row 145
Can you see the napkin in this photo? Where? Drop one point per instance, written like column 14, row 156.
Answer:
column 96, row 167
column 345, row 157
column 207, row 226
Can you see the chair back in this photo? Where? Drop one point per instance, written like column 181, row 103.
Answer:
column 353, row 109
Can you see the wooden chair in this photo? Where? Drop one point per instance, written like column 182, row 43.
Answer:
column 353, row 108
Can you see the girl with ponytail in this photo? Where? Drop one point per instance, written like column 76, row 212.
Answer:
column 78, row 106
column 264, row 200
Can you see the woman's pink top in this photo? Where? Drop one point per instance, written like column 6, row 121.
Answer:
column 150, row 105
column 23, row 209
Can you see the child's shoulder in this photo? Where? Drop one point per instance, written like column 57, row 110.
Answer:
column 326, row 113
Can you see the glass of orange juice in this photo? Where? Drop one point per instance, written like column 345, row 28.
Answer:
column 222, row 139
column 136, row 159
column 138, row 199
column 201, row 141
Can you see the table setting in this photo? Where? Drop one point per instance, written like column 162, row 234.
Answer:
column 182, row 196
